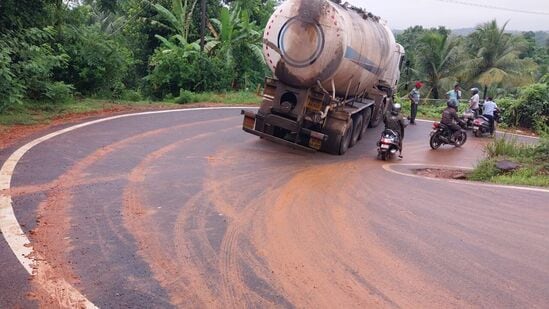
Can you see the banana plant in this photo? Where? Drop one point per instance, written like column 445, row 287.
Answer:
column 178, row 19
column 232, row 31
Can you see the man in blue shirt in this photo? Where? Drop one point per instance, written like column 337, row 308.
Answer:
column 488, row 110
column 454, row 95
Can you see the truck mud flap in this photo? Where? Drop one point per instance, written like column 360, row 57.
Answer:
column 278, row 140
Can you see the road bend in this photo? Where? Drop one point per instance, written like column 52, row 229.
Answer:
column 184, row 209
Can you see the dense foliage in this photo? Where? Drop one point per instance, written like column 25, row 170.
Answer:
column 51, row 50
column 502, row 65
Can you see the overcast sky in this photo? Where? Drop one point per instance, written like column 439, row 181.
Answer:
column 401, row 14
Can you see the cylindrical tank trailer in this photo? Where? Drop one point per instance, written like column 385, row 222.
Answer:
column 336, row 69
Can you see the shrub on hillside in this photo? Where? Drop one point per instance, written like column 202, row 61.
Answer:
column 173, row 70
column 530, row 109
column 28, row 59
column 97, row 64
column 184, row 97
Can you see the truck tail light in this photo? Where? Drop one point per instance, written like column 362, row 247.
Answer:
column 249, row 123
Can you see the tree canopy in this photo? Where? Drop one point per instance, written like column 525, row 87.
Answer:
column 52, row 50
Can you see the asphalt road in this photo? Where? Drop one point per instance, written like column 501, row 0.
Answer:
column 184, row 209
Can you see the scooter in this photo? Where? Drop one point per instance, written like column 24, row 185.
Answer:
column 442, row 134
column 481, row 124
column 388, row 144
column 468, row 117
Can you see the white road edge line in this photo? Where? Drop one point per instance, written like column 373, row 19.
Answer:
column 389, row 167
column 500, row 132
column 9, row 225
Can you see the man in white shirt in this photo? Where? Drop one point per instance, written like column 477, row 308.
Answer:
column 488, row 110
column 474, row 101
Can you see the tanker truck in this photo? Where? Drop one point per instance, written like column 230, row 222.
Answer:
column 335, row 71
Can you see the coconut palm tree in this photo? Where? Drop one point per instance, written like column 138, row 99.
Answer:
column 437, row 60
column 495, row 58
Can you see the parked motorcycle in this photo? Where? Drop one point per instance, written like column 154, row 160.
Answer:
column 388, row 144
column 481, row 124
column 442, row 134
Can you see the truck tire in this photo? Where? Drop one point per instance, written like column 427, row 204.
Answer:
column 357, row 129
column 346, row 138
column 367, row 115
column 377, row 115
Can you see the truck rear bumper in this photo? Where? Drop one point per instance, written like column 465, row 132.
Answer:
column 315, row 139
column 278, row 140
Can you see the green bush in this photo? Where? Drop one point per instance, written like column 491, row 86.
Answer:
column 28, row 59
column 177, row 69
column 131, row 95
column 97, row 64
column 530, row 110
column 11, row 89
column 184, row 97
column 59, row 92
column 542, row 151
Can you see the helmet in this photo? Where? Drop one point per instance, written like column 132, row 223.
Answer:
column 419, row 85
column 396, row 109
column 474, row 90
column 452, row 103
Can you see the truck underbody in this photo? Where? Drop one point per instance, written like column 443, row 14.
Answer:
column 313, row 119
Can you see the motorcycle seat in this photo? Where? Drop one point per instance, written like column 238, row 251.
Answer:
column 483, row 118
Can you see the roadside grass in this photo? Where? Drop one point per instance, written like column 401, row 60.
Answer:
column 428, row 111
column 42, row 112
column 234, row 98
column 533, row 160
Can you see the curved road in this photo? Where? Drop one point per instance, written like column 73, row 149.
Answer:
column 184, row 209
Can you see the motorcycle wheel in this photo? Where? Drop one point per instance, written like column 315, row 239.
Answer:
column 384, row 156
column 477, row 133
column 435, row 142
column 461, row 139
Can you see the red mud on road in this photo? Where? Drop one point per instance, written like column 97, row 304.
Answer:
column 292, row 245
column 51, row 237
column 266, row 226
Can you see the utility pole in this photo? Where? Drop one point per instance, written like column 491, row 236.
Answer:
column 203, row 25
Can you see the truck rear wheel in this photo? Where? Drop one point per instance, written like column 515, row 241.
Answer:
column 377, row 115
column 357, row 130
column 365, row 122
column 346, row 138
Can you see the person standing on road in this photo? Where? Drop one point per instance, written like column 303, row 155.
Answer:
column 454, row 95
column 489, row 108
column 394, row 120
column 414, row 97
column 474, row 101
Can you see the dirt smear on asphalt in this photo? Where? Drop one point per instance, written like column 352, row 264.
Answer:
column 323, row 257
column 53, row 273
column 185, row 285
column 284, row 241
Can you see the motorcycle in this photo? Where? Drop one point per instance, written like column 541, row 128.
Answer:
column 388, row 144
column 442, row 134
column 481, row 124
